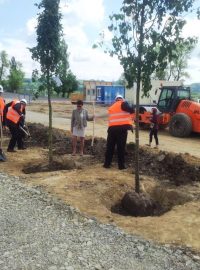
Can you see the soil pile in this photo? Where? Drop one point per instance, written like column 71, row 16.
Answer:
column 178, row 168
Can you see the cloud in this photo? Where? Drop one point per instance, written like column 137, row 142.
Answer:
column 19, row 49
column 191, row 29
column 82, row 21
column 91, row 63
column 84, row 11
column 31, row 26
column 74, row 34
column 85, row 62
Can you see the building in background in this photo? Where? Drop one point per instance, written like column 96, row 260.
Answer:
column 106, row 93
column 90, row 89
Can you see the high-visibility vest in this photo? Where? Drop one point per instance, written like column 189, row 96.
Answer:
column 2, row 105
column 118, row 117
column 15, row 101
column 12, row 114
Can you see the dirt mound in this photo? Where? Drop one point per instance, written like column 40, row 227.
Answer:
column 156, row 202
column 59, row 163
column 39, row 135
column 138, row 204
column 178, row 168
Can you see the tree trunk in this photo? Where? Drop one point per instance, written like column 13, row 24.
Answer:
column 140, row 51
column 50, row 121
column 137, row 178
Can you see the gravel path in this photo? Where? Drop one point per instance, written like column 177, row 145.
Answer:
column 40, row 232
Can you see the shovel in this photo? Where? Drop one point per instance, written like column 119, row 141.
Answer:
column 26, row 132
column 92, row 142
column 2, row 155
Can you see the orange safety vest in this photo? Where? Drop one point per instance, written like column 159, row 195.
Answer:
column 118, row 117
column 2, row 105
column 12, row 114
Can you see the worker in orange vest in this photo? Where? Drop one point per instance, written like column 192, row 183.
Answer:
column 14, row 113
column 2, row 104
column 120, row 120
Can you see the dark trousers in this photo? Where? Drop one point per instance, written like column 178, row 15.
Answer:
column 116, row 137
column 17, row 136
column 153, row 132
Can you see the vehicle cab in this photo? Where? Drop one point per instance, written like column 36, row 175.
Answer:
column 170, row 97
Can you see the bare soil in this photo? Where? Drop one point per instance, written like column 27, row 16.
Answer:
column 169, row 175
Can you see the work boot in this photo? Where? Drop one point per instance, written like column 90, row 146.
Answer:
column 106, row 166
column 122, row 168
column 22, row 148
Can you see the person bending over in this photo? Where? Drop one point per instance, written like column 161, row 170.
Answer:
column 120, row 120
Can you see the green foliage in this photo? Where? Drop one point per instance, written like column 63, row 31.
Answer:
column 49, row 31
column 120, row 81
column 16, row 76
column 48, row 52
column 145, row 36
column 38, row 83
column 195, row 87
column 176, row 65
column 67, row 78
column 198, row 13
column 4, row 64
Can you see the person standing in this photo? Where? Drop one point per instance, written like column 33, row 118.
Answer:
column 120, row 120
column 14, row 115
column 78, row 124
column 2, row 104
column 154, row 128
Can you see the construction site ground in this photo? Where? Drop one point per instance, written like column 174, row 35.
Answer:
column 170, row 174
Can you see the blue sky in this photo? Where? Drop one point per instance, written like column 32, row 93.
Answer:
column 82, row 22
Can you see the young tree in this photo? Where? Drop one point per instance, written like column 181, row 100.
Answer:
column 121, row 80
column 16, row 76
column 4, row 64
column 139, row 29
column 47, row 52
column 70, row 84
column 67, row 78
column 175, row 69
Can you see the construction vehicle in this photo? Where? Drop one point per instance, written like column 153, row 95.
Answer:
column 176, row 110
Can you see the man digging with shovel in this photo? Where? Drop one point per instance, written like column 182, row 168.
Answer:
column 2, row 105
column 14, row 114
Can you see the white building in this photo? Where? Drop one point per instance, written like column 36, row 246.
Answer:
column 130, row 94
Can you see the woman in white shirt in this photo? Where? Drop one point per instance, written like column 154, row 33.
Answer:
column 78, row 124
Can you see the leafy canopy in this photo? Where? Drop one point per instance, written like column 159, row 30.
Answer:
column 47, row 51
column 4, row 64
column 175, row 69
column 49, row 32
column 16, row 76
column 145, row 36
column 67, row 78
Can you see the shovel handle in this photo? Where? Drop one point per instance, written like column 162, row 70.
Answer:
column 28, row 134
column 92, row 143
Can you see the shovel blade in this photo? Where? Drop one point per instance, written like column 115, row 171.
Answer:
column 2, row 156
